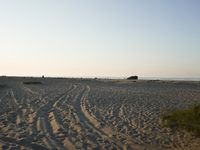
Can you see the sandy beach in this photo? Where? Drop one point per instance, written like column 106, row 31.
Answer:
column 93, row 114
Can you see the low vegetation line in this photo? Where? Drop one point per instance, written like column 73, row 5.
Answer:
column 187, row 119
column 3, row 85
column 32, row 82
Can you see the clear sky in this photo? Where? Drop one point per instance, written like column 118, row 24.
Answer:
column 112, row 38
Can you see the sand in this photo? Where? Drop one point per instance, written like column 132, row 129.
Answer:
column 93, row 114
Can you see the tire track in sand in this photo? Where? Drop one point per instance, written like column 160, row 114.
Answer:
column 88, row 121
column 105, row 131
column 44, row 126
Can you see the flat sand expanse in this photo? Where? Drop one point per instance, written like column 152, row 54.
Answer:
column 92, row 114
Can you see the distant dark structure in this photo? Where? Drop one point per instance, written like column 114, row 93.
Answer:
column 42, row 76
column 132, row 78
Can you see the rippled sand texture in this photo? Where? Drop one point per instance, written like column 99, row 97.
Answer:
column 92, row 114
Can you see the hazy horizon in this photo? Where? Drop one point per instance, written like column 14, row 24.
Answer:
column 100, row 38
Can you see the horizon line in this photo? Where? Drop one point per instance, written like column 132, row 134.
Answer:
column 107, row 77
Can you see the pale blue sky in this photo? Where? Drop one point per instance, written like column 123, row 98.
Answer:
column 116, row 38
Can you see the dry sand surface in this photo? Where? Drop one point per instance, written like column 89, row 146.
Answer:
column 92, row 114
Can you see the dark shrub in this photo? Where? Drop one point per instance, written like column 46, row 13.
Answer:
column 132, row 78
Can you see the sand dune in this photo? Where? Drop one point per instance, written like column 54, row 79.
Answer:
column 92, row 114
